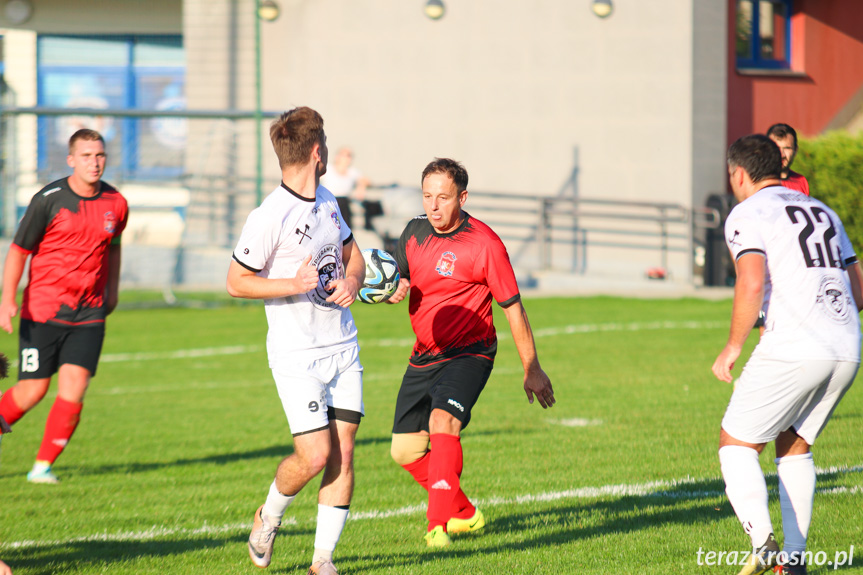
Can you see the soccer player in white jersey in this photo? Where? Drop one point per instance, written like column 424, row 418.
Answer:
column 794, row 249
column 297, row 254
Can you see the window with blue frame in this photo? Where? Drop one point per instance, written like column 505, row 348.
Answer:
column 114, row 72
column 763, row 38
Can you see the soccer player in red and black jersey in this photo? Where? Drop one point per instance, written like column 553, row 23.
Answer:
column 71, row 231
column 786, row 138
column 453, row 265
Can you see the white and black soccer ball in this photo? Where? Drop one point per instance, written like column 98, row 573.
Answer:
column 382, row 276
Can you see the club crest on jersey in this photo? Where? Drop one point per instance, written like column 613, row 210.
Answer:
column 110, row 222
column 328, row 262
column 446, row 264
column 335, row 217
column 834, row 301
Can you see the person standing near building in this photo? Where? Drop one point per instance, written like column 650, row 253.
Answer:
column 297, row 254
column 786, row 138
column 72, row 230
column 345, row 181
column 453, row 265
column 794, row 248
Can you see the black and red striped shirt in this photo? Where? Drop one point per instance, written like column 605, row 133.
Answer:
column 68, row 236
column 454, row 277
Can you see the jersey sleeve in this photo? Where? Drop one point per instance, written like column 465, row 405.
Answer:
column 847, row 253
column 258, row 240
column 742, row 235
column 401, row 253
column 494, row 265
column 121, row 225
column 33, row 224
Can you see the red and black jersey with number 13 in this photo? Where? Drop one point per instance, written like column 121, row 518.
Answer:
column 68, row 236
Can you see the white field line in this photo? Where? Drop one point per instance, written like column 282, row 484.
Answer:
column 408, row 342
column 662, row 488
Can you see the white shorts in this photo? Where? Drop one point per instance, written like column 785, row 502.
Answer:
column 774, row 395
column 314, row 392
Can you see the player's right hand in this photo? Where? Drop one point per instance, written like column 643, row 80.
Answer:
column 307, row 276
column 401, row 291
column 7, row 312
column 725, row 363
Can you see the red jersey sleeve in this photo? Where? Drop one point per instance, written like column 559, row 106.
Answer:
column 494, row 265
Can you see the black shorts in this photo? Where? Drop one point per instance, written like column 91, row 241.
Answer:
column 45, row 347
column 453, row 385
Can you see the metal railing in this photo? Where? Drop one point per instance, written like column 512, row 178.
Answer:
column 591, row 222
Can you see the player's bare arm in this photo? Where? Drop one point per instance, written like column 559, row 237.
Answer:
column 401, row 291
column 536, row 382
column 345, row 290
column 244, row 283
column 855, row 275
column 112, row 289
column 748, row 298
column 12, row 272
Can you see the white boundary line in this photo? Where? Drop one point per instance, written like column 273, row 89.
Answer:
column 648, row 489
column 408, row 342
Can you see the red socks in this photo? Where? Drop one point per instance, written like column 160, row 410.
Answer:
column 9, row 409
column 419, row 470
column 460, row 506
column 444, row 471
column 62, row 421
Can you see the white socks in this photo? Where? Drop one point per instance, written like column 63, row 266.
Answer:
column 796, row 493
column 331, row 522
column 747, row 491
column 276, row 503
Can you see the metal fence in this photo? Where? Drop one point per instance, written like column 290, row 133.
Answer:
column 185, row 224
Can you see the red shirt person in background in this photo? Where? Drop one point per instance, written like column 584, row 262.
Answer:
column 786, row 138
column 71, row 233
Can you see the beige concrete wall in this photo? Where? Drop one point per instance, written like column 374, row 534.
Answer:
column 509, row 88
column 515, row 90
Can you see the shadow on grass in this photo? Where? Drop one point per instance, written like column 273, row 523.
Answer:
column 539, row 525
column 692, row 504
column 120, row 556
column 274, row 451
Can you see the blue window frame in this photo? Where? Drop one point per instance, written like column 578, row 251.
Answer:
column 763, row 34
column 113, row 72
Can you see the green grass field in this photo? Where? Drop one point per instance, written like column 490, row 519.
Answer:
column 182, row 430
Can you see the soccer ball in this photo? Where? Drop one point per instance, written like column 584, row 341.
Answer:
column 382, row 277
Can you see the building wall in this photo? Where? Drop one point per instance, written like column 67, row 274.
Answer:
column 102, row 17
column 635, row 102
column 510, row 92
column 523, row 94
column 827, row 66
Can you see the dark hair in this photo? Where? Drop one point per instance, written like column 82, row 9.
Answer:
column 85, row 134
column 758, row 155
column 780, row 131
column 453, row 169
column 295, row 133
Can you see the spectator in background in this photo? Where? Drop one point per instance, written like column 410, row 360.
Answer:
column 786, row 138
column 345, row 182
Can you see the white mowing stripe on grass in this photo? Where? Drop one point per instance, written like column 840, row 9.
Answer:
column 408, row 342
column 649, row 489
column 145, row 535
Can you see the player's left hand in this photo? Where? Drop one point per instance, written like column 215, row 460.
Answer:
column 537, row 383
column 725, row 363
column 345, row 291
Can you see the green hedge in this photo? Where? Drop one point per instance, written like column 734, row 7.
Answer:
column 833, row 164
